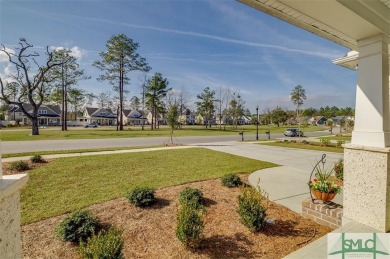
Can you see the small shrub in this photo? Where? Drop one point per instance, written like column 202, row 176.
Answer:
column 293, row 141
column 141, row 196
column 9, row 125
column 191, row 197
column 251, row 208
column 78, row 226
column 339, row 169
column 231, row 180
column 305, row 142
column 190, row 226
column 285, row 140
column 37, row 159
column 107, row 244
column 19, row 166
column 325, row 142
column 340, row 143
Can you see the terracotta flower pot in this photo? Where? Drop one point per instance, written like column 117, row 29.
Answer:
column 323, row 196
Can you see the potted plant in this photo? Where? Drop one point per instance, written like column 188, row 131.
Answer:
column 324, row 190
column 321, row 187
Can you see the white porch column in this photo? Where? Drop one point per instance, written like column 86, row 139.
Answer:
column 367, row 158
column 10, row 185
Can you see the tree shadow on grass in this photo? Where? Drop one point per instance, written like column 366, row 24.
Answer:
column 220, row 246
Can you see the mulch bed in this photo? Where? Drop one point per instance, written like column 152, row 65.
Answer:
column 31, row 165
column 150, row 232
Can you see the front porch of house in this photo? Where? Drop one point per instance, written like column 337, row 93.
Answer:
column 364, row 27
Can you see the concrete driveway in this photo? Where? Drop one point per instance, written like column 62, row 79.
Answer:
column 286, row 184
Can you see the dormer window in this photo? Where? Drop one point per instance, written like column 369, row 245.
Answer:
column 102, row 114
column 42, row 112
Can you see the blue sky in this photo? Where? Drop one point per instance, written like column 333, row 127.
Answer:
column 193, row 43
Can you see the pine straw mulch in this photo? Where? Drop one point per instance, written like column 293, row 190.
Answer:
column 31, row 165
column 150, row 232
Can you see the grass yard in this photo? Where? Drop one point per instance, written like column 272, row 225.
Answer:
column 67, row 184
column 73, row 151
column 311, row 146
column 135, row 131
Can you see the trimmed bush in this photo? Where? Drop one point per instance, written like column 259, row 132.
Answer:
column 305, row 142
column 78, row 226
column 190, row 226
column 251, row 209
column 141, row 196
column 37, row 159
column 191, row 197
column 105, row 245
column 19, row 166
column 339, row 169
column 325, row 142
column 340, row 143
column 285, row 141
column 231, row 180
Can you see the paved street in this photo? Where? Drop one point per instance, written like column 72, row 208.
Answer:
column 70, row 144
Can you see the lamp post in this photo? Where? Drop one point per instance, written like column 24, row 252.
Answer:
column 257, row 122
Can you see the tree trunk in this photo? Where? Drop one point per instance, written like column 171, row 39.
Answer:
column 65, row 110
column 35, row 128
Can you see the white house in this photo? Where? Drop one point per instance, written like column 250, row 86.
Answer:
column 134, row 117
column 47, row 114
column 101, row 116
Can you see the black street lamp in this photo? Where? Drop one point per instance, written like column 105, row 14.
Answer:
column 257, row 122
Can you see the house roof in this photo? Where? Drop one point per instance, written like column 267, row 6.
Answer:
column 51, row 110
column 341, row 21
column 97, row 112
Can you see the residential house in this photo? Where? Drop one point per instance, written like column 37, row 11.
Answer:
column 161, row 119
column 101, row 116
column 134, row 117
column 47, row 114
column 189, row 118
column 318, row 120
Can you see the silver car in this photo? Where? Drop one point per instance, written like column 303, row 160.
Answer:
column 293, row 133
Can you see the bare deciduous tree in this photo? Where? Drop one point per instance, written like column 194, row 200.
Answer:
column 30, row 79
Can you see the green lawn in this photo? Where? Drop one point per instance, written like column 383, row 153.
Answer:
column 68, row 184
column 74, row 151
column 312, row 146
column 132, row 132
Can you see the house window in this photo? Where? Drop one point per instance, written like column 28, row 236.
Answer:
column 102, row 114
column 42, row 112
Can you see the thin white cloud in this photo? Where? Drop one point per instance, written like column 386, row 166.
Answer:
column 75, row 51
column 3, row 56
column 215, row 37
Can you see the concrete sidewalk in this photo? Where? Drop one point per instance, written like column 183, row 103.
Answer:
column 286, row 184
column 53, row 156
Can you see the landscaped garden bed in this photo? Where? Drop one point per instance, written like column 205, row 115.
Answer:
column 150, row 232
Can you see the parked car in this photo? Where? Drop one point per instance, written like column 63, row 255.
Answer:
column 91, row 125
column 293, row 133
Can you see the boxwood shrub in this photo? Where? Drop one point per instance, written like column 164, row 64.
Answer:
column 77, row 226
column 191, row 197
column 106, row 244
column 231, row 180
column 141, row 196
column 251, row 209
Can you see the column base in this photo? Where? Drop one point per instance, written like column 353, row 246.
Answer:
column 10, row 243
column 367, row 186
